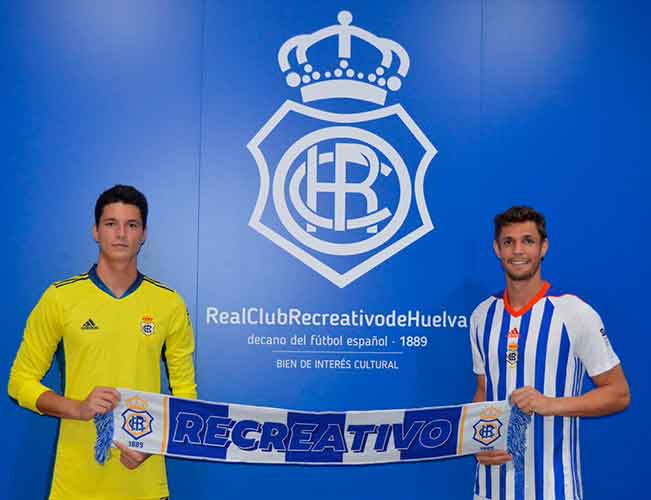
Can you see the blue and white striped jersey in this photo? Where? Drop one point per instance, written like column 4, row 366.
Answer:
column 549, row 344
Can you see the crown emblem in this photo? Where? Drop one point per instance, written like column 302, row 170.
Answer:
column 136, row 403
column 340, row 78
column 490, row 413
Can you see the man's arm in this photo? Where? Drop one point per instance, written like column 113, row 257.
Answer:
column 42, row 335
column 480, row 392
column 591, row 346
column 179, row 348
column 610, row 395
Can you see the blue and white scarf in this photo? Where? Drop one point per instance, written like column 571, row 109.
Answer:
column 166, row 425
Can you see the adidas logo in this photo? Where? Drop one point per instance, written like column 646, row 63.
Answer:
column 89, row 325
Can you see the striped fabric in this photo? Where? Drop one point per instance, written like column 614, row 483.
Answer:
column 549, row 345
column 161, row 424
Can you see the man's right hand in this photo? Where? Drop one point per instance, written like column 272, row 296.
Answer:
column 498, row 457
column 101, row 400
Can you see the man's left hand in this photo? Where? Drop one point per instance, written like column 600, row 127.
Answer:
column 530, row 401
column 131, row 459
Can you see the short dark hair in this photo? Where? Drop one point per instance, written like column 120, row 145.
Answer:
column 121, row 193
column 517, row 214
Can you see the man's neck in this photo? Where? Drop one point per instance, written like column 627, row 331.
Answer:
column 520, row 293
column 117, row 276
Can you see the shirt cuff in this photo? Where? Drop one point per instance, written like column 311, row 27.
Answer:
column 29, row 394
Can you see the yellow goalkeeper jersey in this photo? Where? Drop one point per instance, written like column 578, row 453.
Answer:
column 106, row 342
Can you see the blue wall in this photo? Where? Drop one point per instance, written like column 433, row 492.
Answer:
column 544, row 103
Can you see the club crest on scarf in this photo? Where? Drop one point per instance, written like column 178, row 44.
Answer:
column 137, row 421
column 488, row 427
column 341, row 184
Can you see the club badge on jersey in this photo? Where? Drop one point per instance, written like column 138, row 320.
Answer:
column 147, row 326
column 512, row 348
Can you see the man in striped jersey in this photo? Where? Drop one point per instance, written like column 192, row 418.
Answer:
column 535, row 345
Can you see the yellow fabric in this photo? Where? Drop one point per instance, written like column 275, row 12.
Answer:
column 116, row 353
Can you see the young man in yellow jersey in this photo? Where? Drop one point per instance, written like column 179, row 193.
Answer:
column 114, row 324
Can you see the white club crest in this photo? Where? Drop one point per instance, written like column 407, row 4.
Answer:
column 346, row 188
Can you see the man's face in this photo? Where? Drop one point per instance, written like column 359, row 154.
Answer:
column 120, row 232
column 520, row 250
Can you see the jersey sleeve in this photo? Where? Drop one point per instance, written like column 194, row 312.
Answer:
column 477, row 358
column 591, row 345
column 42, row 335
column 179, row 347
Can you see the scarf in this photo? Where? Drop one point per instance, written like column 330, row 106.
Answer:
column 166, row 425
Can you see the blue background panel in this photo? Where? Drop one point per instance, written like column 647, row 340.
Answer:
column 544, row 103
